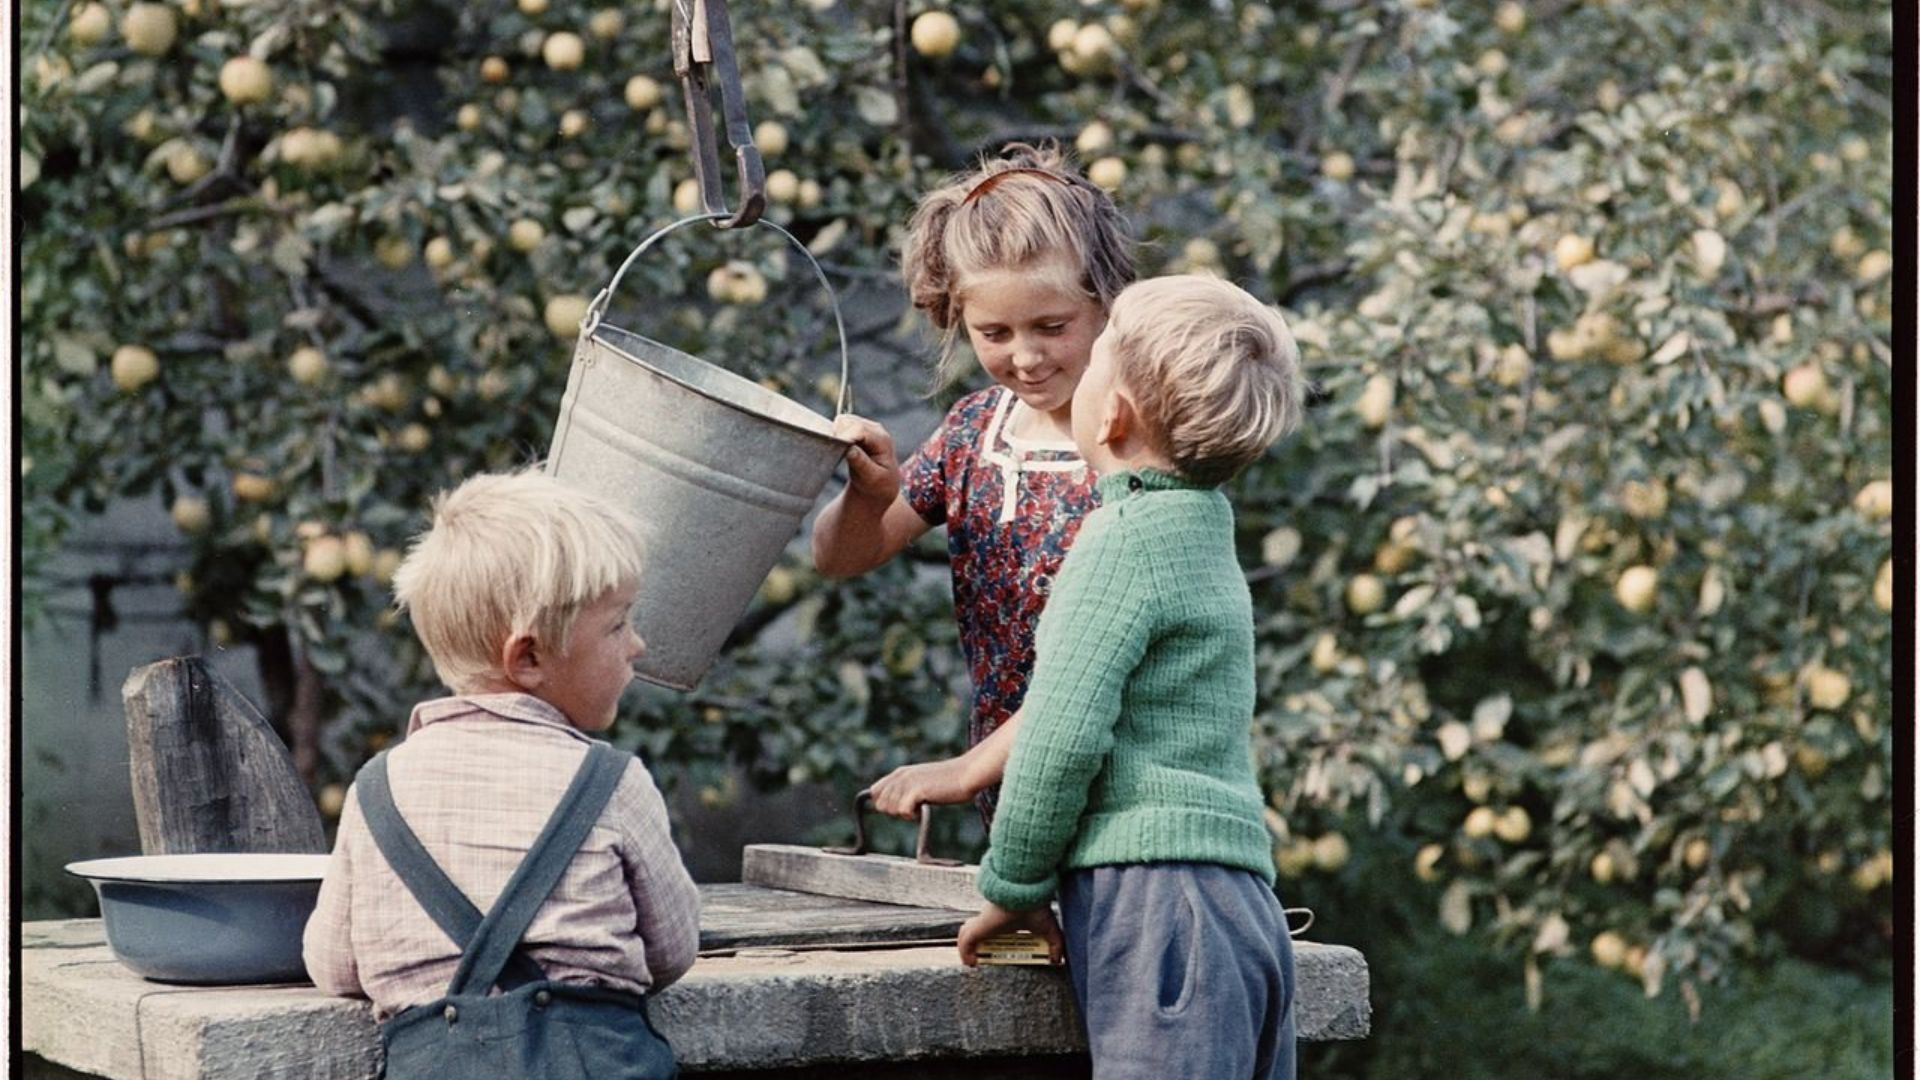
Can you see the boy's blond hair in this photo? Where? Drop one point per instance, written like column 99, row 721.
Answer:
column 1039, row 213
column 1214, row 372
column 510, row 554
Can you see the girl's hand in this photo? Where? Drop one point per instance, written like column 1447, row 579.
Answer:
column 901, row 791
column 873, row 470
column 994, row 920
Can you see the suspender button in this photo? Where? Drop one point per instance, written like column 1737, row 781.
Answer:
column 541, row 998
column 452, row 1014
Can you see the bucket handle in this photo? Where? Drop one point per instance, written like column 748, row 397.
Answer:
column 598, row 306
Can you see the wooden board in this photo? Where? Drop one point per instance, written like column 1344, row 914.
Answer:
column 886, row 879
column 208, row 772
column 748, row 916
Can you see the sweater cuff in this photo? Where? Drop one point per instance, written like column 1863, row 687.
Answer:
column 1014, row 895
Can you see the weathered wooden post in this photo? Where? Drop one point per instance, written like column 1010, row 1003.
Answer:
column 209, row 774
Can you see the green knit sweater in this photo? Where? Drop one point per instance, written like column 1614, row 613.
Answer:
column 1135, row 744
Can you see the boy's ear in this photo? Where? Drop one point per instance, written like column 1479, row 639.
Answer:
column 521, row 661
column 1119, row 418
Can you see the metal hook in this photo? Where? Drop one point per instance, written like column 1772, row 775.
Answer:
column 702, row 49
column 862, row 802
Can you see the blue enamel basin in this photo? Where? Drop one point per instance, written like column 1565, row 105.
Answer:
column 207, row 919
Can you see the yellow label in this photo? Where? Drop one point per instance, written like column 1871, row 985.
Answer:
column 1003, row 949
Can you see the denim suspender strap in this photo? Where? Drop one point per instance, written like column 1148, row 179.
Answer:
column 492, row 946
column 442, row 899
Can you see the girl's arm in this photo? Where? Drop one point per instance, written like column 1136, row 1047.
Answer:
column 953, row 780
column 871, row 521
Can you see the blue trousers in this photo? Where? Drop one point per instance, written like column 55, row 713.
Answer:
column 1180, row 970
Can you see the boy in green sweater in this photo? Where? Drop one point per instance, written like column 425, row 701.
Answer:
column 1130, row 791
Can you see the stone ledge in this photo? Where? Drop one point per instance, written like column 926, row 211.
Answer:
column 81, row 1009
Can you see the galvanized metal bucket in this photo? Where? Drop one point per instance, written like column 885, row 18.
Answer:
column 718, row 469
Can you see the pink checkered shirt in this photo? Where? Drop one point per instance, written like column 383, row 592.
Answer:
column 476, row 779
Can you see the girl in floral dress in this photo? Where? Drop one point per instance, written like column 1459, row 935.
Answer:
column 1025, row 255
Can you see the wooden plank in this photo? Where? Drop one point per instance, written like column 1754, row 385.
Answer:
column 886, row 879
column 208, row 772
column 747, row 916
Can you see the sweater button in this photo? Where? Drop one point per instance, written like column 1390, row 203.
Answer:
column 1134, row 484
column 452, row 1014
column 541, row 998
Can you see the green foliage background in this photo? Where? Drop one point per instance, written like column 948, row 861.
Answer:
column 1599, row 289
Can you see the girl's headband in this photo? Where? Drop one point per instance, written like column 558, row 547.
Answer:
column 993, row 181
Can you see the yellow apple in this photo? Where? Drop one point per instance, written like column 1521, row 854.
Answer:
column 642, row 93
column 1330, row 852
column 393, row 252
column 783, row 186
column 191, row 514
column 1376, row 402
column 1093, row 48
column 331, row 800
column 1883, row 586
column 307, row 365
column 686, row 196
column 1480, row 822
column 1060, row 34
column 1513, row 825
column 771, row 137
column 1510, row 17
column 1392, row 557
column 1609, row 949
column 606, row 24
column 563, row 51
column 532, row 7
column 1709, row 253
column 935, row 34
column 1513, row 367
column 149, row 29
column 1094, row 138
column 737, row 282
column 1365, row 594
column 780, row 588
column 525, row 234
column 89, row 24
column 1325, row 656
column 1806, row 386
column 1696, row 853
column 1873, row 266
column 573, row 123
column 811, row 194
column 185, row 164
column 1637, row 588
column 325, row 558
column 1826, row 688
column 1426, row 862
column 1108, row 172
column 1601, row 868
column 414, row 438
column 1572, row 250
column 252, row 487
column 246, row 81
column 1337, row 166
column 133, row 367
column 386, row 562
column 1874, row 501
column 494, row 69
column 563, row 315
column 438, row 253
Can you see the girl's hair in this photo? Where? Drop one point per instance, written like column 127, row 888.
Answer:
column 1214, row 372
column 1027, row 207
column 510, row 554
